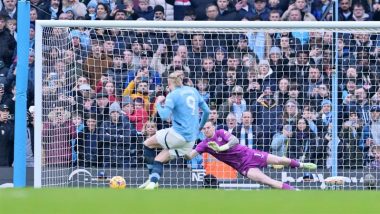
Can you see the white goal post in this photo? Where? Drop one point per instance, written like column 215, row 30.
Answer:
column 337, row 160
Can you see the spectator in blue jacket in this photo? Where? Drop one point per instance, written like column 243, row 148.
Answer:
column 244, row 8
column 143, row 10
column 7, row 43
column 226, row 11
column 260, row 9
column 267, row 114
column 116, row 134
column 87, row 147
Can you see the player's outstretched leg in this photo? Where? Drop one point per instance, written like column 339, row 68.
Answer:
column 276, row 160
column 257, row 175
column 149, row 154
column 158, row 168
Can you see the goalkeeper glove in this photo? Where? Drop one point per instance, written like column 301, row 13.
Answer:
column 214, row 146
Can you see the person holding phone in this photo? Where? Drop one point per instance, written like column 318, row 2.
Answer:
column 6, row 137
column 159, row 13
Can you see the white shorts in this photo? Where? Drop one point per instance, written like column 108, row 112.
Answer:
column 174, row 142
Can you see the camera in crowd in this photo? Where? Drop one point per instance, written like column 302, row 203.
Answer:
column 30, row 114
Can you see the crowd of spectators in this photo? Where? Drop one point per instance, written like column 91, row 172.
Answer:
column 271, row 89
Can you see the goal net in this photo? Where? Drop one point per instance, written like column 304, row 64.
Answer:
column 308, row 91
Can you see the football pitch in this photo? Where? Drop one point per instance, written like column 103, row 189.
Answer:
column 182, row 201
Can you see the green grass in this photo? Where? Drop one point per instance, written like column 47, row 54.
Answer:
column 182, row 201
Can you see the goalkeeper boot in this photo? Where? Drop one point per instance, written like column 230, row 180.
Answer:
column 151, row 186
column 310, row 166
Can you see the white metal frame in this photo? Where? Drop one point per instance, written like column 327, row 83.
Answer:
column 278, row 26
column 209, row 24
column 38, row 107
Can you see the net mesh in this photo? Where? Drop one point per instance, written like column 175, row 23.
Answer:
column 270, row 88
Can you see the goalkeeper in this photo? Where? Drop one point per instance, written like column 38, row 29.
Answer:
column 226, row 148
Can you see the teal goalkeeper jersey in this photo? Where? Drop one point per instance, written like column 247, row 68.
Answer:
column 184, row 103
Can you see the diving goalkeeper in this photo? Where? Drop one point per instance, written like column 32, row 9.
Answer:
column 226, row 148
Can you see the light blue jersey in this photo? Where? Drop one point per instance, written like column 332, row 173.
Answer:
column 183, row 105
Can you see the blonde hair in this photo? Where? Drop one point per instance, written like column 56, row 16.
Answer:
column 176, row 78
column 149, row 122
column 12, row 21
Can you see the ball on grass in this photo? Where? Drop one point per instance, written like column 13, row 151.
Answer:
column 117, row 182
column 369, row 181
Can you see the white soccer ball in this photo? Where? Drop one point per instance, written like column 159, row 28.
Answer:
column 369, row 181
column 117, row 182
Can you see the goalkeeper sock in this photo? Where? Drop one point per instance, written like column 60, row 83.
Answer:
column 287, row 186
column 149, row 155
column 157, row 170
column 294, row 163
